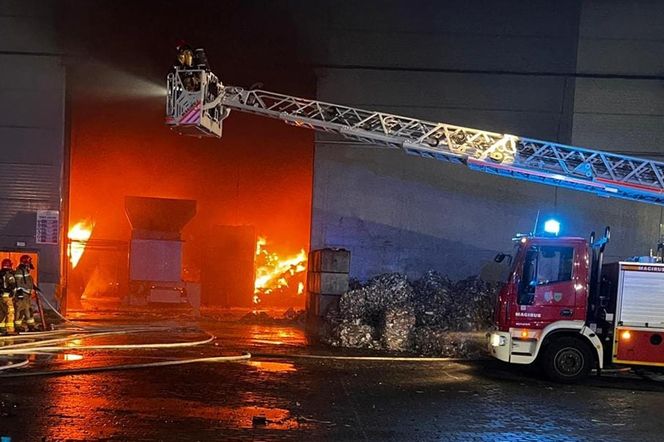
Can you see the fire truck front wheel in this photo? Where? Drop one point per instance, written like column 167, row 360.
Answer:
column 567, row 360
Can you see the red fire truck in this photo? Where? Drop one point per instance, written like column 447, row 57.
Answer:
column 562, row 308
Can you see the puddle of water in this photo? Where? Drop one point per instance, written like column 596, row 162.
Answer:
column 276, row 418
column 273, row 367
column 243, row 417
column 71, row 409
column 276, row 335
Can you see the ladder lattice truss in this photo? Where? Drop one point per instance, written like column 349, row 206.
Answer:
column 603, row 173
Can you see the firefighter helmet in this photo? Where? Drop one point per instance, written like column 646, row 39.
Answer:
column 26, row 261
column 180, row 44
column 6, row 264
column 185, row 55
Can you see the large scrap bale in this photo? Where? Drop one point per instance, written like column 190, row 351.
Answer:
column 354, row 305
column 388, row 290
column 390, row 313
column 430, row 341
column 433, row 301
column 474, row 300
column 370, row 301
column 355, row 334
column 396, row 329
column 348, row 333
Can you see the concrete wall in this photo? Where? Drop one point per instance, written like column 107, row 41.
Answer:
column 503, row 66
column 32, row 95
column 621, row 108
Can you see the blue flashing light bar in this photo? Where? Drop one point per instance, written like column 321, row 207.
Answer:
column 552, row 226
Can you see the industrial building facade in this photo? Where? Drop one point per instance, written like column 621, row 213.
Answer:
column 32, row 140
column 582, row 73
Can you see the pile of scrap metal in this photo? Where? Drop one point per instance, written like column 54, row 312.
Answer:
column 431, row 316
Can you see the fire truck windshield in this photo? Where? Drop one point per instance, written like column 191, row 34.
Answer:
column 544, row 265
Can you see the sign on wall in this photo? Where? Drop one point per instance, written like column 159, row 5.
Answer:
column 48, row 226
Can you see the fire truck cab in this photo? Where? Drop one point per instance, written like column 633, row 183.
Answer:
column 563, row 309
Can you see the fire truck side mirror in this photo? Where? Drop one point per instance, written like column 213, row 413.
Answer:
column 501, row 257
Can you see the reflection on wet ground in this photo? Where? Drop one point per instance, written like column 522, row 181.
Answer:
column 272, row 367
column 285, row 397
column 74, row 405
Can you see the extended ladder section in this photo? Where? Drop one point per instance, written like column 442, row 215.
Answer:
column 197, row 103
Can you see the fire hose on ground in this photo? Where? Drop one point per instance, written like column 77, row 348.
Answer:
column 86, row 332
column 14, row 350
column 39, row 348
column 45, row 346
column 87, row 370
column 361, row 358
column 11, row 365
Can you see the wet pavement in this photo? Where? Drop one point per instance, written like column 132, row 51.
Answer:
column 278, row 395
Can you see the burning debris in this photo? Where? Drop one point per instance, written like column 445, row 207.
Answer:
column 101, row 290
column 290, row 316
column 276, row 275
column 430, row 316
column 78, row 235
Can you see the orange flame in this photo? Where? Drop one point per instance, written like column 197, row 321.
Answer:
column 274, row 272
column 78, row 235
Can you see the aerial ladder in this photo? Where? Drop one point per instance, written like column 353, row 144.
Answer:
column 197, row 104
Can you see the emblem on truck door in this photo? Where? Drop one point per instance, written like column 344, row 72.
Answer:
column 551, row 296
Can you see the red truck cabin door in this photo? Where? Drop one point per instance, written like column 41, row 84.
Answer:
column 548, row 288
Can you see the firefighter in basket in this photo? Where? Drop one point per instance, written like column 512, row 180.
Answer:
column 185, row 60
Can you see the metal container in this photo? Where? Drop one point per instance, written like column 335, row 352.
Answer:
column 329, row 261
column 327, row 283
column 228, row 273
column 158, row 218
column 319, row 305
column 155, row 260
column 167, row 295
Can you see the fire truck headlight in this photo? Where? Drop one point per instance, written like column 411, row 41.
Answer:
column 626, row 335
column 497, row 340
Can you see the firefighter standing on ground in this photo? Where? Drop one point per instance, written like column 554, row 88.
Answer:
column 7, row 288
column 23, row 297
